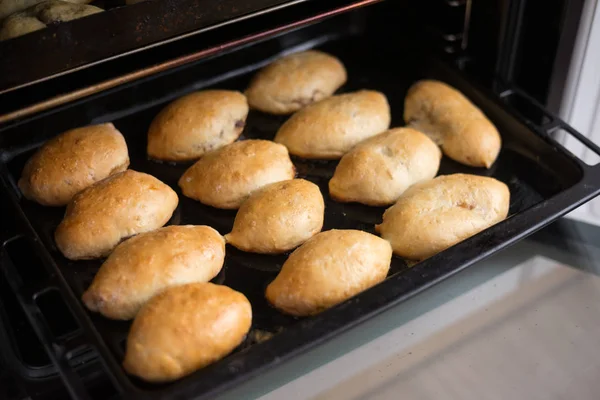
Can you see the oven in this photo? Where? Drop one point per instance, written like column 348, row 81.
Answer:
column 124, row 64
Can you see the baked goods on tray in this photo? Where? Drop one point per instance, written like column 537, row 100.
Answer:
column 185, row 328
column 159, row 277
column 329, row 268
column 434, row 215
column 196, row 124
column 72, row 161
column 465, row 134
column 295, row 81
column 150, row 262
column 43, row 14
column 377, row 171
column 118, row 207
column 330, row 128
column 226, row 177
column 279, row 217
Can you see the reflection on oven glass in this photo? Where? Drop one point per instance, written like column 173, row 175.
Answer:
column 20, row 21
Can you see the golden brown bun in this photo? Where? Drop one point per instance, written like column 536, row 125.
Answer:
column 434, row 215
column 451, row 120
column 226, row 177
column 43, row 14
column 329, row 268
column 72, row 161
column 295, row 81
column 196, row 124
column 278, row 217
column 148, row 263
column 377, row 171
column 331, row 127
column 102, row 215
column 184, row 329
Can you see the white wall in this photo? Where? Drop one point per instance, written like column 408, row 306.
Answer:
column 581, row 102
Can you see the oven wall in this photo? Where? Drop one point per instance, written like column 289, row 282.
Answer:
column 548, row 48
column 524, row 42
column 579, row 103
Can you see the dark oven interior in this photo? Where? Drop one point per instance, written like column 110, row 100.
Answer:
column 387, row 57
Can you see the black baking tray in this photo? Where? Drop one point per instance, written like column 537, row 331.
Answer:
column 545, row 181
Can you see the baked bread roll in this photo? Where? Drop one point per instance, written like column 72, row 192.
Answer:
column 9, row 7
column 72, row 161
column 452, row 121
column 278, row 217
column 225, row 178
column 196, row 124
column 150, row 262
column 329, row 268
column 122, row 205
column 295, row 81
column 43, row 14
column 185, row 328
column 377, row 171
column 434, row 215
column 330, row 128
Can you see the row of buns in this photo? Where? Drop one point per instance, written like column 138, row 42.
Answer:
column 303, row 84
column 160, row 275
column 376, row 165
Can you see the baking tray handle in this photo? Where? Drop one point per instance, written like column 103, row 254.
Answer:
column 582, row 138
column 57, row 352
column 553, row 122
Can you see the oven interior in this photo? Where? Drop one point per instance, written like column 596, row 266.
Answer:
column 388, row 57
